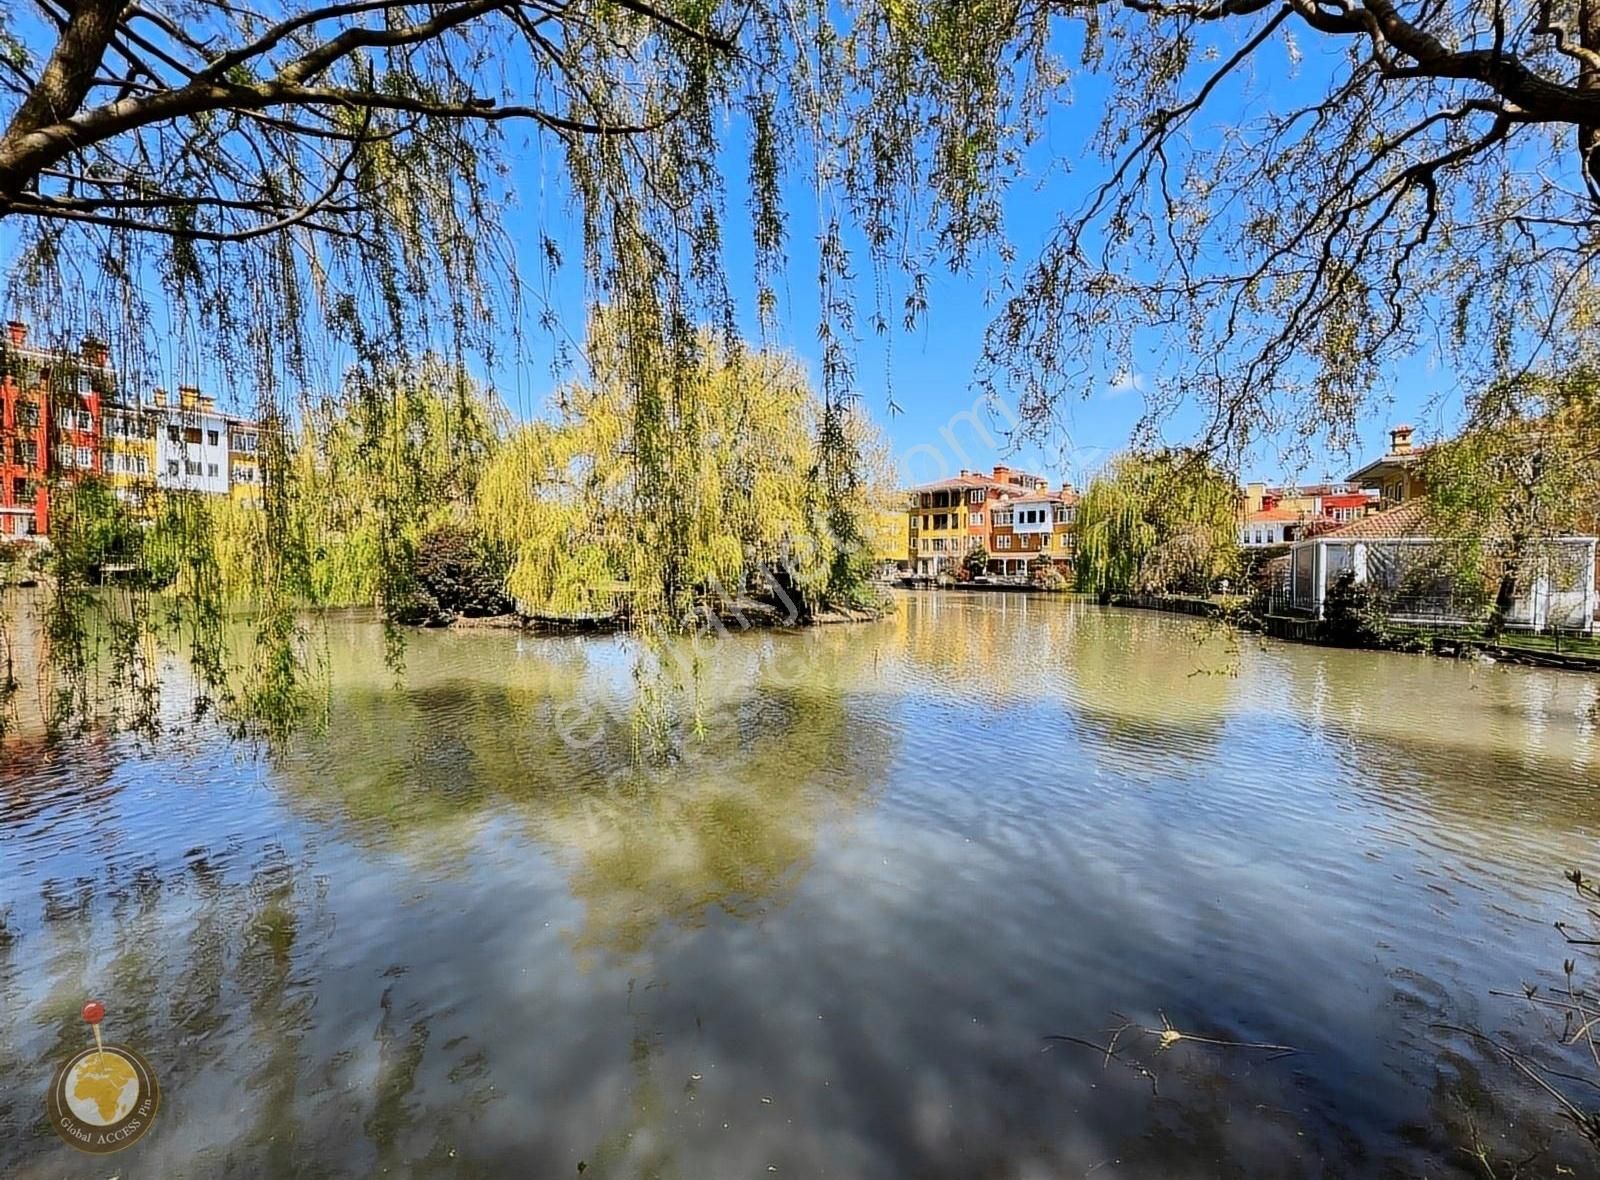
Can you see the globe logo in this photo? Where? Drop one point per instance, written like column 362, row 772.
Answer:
column 101, row 1089
column 105, row 1098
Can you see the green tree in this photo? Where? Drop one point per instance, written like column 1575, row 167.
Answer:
column 1525, row 470
column 736, row 494
column 1156, row 523
column 976, row 562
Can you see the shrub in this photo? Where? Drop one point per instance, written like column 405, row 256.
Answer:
column 1351, row 615
column 455, row 572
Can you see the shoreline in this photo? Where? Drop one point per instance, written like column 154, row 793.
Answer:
column 745, row 615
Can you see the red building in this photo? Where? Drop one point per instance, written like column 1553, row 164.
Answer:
column 50, row 405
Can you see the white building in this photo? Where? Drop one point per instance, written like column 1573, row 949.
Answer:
column 1392, row 554
column 1269, row 526
column 192, row 445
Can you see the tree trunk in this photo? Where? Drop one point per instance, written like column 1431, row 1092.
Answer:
column 1589, row 79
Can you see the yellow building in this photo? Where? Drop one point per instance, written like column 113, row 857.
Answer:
column 245, row 482
column 128, row 449
column 1395, row 476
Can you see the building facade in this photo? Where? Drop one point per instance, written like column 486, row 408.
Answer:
column 128, row 449
column 192, row 445
column 1395, row 478
column 1012, row 515
column 50, row 421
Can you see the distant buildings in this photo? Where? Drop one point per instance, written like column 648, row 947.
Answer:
column 1011, row 515
column 63, row 416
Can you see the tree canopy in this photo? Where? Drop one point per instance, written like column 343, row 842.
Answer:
column 1157, row 522
column 1426, row 170
column 1525, row 471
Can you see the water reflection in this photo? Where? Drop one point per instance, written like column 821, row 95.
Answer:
column 456, row 931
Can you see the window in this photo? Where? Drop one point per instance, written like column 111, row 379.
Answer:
column 190, row 467
column 1003, row 542
column 84, row 384
column 925, row 544
column 211, row 437
column 1258, row 537
column 85, row 457
column 28, row 414
column 975, row 496
column 211, row 470
column 172, row 434
column 975, row 518
column 191, row 435
column 85, row 421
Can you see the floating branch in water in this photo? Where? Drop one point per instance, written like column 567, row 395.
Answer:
column 1166, row 1036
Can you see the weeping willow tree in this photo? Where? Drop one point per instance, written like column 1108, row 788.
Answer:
column 736, row 498
column 1152, row 523
column 279, row 192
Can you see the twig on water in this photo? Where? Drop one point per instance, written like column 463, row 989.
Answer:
column 1587, row 1122
column 1166, row 1036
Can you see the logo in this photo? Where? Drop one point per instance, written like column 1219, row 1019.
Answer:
column 105, row 1098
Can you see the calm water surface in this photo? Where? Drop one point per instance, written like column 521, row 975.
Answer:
column 454, row 934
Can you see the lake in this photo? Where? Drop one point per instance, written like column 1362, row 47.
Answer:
column 456, row 930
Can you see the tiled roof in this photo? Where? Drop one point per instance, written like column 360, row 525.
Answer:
column 1273, row 516
column 1392, row 459
column 1046, row 497
column 1406, row 520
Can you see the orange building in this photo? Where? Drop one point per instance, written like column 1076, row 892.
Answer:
column 50, row 428
column 1011, row 514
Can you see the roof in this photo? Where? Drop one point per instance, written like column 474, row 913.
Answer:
column 961, row 481
column 975, row 480
column 1406, row 520
column 1273, row 516
column 1392, row 459
column 1046, row 497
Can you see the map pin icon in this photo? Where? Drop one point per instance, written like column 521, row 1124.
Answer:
column 94, row 1012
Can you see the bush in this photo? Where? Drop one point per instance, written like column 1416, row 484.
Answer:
column 455, row 573
column 1044, row 574
column 1351, row 615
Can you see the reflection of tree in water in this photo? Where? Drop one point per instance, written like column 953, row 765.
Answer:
column 546, row 735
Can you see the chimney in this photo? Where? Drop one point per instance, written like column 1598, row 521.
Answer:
column 1400, row 440
column 965, row 473
column 1002, row 474
column 188, row 397
column 94, row 352
column 18, row 331
column 208, row 405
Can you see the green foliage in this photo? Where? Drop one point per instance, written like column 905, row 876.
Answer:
column 976, row 562
column 737, row 485
column 1042, row 572
column 456, row 573
column 1352, row 616
column 1157, row 523
column 1524, row 471
column 92, row 532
